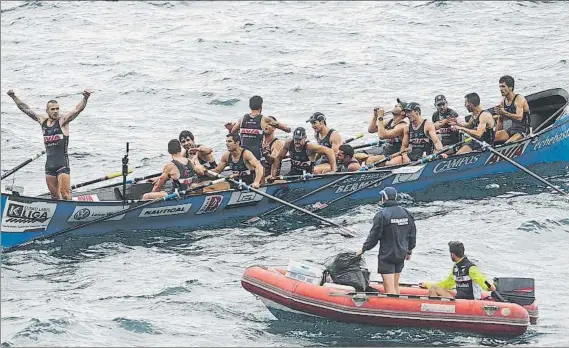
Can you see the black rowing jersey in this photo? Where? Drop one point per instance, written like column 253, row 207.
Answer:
column 420, row 142
column 56, row 144
column 240, row 168
column 251, row 131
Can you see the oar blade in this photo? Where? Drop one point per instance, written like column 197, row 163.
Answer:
column 319, row 206
column 347, row 232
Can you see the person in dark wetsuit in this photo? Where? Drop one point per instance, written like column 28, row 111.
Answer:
column 465, row 276
column 182, row 171
column 514, row 113
column 481, row 124
column 302, row 154
column 271, row 147
column 56, row 140
column 251, row 126
column 241, row 161
column 346, row 160
column 394, row 228
column 325, row 136
column 443, row 119
column 420, row 135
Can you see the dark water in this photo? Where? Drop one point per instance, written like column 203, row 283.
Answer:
column 160, row 67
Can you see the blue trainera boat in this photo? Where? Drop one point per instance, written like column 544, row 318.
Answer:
column 546, row 153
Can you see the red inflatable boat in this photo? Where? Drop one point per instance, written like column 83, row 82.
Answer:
column 283, row 295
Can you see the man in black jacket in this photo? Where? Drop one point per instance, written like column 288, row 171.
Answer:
column 394, row 229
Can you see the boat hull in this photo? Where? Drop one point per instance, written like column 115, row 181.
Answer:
column 287, row 298
column 461, row 176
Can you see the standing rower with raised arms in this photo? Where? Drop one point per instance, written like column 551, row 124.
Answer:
column 55, row 130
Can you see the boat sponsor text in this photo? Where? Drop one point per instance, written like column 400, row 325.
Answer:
column 437, row 308
column 510, row 152
column 86, row 198
column 554, row 139
column 165, row 211
column 90, row 213
column 240, row 198
column 27, row 217
column 455, row 163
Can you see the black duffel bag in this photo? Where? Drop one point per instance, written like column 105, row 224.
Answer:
column 348, row 269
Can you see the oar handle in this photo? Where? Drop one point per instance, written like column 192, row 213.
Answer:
column 374, row 143
column 349, row 140
column 94, row 181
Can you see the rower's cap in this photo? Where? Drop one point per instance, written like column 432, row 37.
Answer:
column 299, row 133
column 317, row 116
column 412, row 106
column 440, row 98
column 402, row 103
column 454, row 246
column 389, row 193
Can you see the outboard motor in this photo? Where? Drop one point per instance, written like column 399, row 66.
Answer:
column 516, row 290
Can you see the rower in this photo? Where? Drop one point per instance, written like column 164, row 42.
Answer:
column 183, row 172
column 443, row 119
column 391, row 132
column 242, row 163
column 271, row 147
column 327, row 137
column 302, row 154
column 420, row 134
column 513, row 111
column 481, row 124
column 346, row 160
column 56, row 140
column 205, row 154
column 251, row 127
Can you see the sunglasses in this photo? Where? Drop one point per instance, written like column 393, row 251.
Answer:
column 441, row 105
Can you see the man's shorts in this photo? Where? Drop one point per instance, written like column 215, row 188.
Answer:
column 374, row 150
column 389, row 268
column 56, row 171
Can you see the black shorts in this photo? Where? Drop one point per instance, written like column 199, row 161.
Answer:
column 295, row 172
column 389, row 268
column 511, row 132
column 56, row 171
column 475, row 146
column 375, row 150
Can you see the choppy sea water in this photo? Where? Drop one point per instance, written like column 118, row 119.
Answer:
column 159, row 67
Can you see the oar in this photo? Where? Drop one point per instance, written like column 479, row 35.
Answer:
column 94, row 181
column 485, row 146
column 401, row 170
column 19, row 166
column 375, row 164
column 108, row 177
column 109, row 216
column 133, row 181
column 349, row 140
column 344, row 231
column 374, row 143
